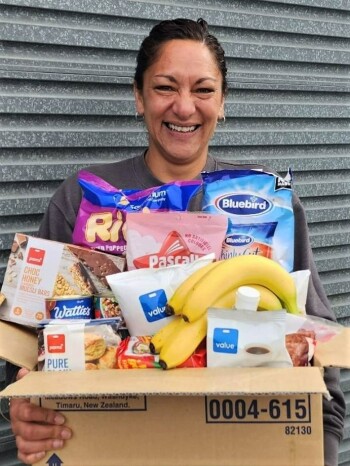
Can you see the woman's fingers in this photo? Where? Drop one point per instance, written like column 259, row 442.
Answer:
column 31, row 458
column 21, row 410
column 37, row 430
column 21, row 373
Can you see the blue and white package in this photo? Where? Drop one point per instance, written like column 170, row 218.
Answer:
column 142, row 294
column 260, row 211
column 246, row 339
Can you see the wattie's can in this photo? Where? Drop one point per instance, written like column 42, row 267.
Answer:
column 69, row 307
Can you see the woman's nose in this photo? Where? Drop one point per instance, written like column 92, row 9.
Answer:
column 184, row 105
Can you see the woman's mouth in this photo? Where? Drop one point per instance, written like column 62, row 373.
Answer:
column 181, row 129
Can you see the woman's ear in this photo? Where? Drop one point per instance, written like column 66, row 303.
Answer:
column 221, row 114
column 138, row 100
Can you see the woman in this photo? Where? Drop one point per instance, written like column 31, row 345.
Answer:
column 180, row 87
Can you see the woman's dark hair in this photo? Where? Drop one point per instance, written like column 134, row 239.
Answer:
column 178, row 29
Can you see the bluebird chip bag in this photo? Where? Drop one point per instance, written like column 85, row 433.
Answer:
column 100, row 222
column 260, row 211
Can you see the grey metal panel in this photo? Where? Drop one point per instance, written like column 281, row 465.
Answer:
column 66, row 101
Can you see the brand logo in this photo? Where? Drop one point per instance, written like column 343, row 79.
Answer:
column 174, row 250
column 35, row 256
column 243, row 204
column 74, row 312
column 225, row 340
column 56, row 343
column 238, row 240
column 153, row 305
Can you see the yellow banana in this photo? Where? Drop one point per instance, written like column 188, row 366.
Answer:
column 182, row 342
column 268, row 300
column 238, row 271
column 159, row 338
column 175, row 303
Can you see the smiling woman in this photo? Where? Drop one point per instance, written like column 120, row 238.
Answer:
column 181, row 100
column 180, row 87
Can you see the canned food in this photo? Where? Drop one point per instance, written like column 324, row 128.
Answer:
column 69, row 307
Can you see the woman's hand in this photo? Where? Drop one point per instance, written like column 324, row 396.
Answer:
column 36, row 429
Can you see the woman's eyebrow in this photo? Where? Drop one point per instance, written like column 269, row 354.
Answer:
column 172, row 79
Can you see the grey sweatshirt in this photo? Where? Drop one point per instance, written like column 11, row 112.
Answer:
column 58, row 224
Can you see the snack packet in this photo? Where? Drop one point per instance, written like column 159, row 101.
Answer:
column 134, row 353
column 253, row 198
column 160, row 239
column 103, row 208
column 246, row 339
column 142, row 294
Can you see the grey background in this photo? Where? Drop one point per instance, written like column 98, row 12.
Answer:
column 66, row 101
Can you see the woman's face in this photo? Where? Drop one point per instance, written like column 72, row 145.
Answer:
column 182, row 101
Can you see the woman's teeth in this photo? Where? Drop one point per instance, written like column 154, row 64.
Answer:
column 181, row 129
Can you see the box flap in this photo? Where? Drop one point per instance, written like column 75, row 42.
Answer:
column 335, row 352
column 201, row 381
column 18, row 345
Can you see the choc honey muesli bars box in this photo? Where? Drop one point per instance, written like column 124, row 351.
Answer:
column 39, row 269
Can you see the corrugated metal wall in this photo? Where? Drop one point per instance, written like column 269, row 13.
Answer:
column 66, row 101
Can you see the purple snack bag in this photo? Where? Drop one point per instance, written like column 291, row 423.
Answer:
column 100, row 222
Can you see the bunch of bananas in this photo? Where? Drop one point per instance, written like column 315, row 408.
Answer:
column 214, row 285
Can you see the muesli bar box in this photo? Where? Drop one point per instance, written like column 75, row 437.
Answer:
column 38, row 269
column 193, row 417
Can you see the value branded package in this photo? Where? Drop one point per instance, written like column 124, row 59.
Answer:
column 40, row 269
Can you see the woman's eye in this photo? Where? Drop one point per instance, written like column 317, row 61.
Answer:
column 205, row 90
column 164, row 88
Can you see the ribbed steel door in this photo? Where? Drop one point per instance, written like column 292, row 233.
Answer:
column 66, row 101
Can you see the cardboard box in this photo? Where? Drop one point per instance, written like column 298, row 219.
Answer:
column 38, row 269
column 184, row 417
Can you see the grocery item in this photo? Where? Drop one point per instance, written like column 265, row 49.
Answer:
column 66, row 345
column 100, row 222
column 143, row 293
column 159, row 338
column 268, row 301
column 247, row 298
column 231, row 273
column 40, row 269
column 260, row 210
column 69, row 307
column 177, row 299
column 160, row 239
column 246, row 339
column 134, row 353
column 182, row 342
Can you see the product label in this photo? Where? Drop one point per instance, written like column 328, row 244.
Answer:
column 243, row 204
column 262, row 409
column 225, row 340
column 153, row 305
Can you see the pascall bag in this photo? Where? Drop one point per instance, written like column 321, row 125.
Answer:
column 260, row 211
column 100, row 222
column 160, row 239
